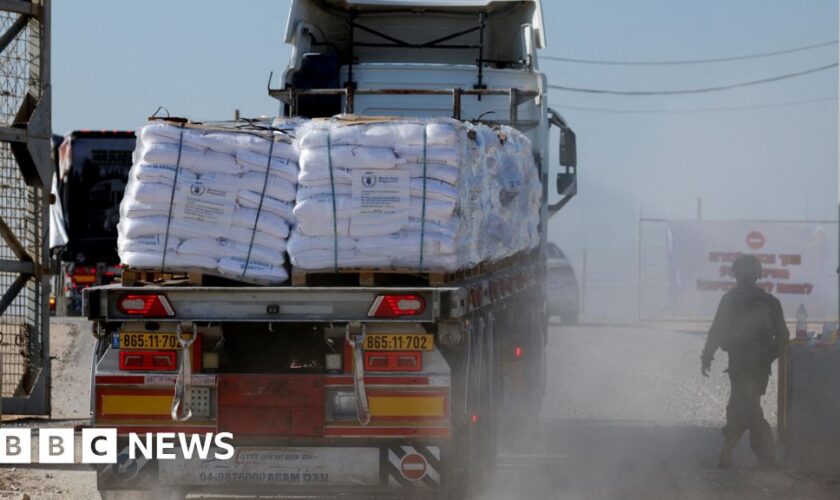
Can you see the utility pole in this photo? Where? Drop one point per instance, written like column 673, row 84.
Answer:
column 699, row 208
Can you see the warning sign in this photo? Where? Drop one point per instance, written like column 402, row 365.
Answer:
column 793, row 258
column 755, row 240
column 413, row 466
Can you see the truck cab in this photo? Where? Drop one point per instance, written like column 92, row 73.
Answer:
column 92, row 171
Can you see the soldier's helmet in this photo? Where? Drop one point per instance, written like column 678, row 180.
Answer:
column 746, row 268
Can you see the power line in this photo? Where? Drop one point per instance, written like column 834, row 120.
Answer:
column 694, row 91
column 690, row 61
column 693, row 110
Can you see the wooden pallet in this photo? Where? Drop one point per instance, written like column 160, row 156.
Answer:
column 400, row 276
column 133, row 277
column 378, row 277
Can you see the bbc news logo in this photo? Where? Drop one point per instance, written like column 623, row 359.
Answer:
column 99, row 446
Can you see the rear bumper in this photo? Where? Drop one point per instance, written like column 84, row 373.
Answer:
column 355, row 468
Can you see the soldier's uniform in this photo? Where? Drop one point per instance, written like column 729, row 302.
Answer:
column 750, row 327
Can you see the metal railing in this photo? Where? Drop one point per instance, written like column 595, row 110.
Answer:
column 517, row 97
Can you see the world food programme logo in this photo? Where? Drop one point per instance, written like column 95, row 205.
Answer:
column 197, row 189
column 369, row 180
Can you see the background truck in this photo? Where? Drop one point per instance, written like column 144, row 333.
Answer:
column 297, row 373
column 92, row 171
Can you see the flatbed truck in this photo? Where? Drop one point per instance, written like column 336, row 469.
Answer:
column 395, row 387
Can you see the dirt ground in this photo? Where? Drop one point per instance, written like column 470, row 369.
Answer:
column 71, row 346
column 626, row 416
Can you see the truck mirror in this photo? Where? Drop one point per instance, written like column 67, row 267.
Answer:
column 568, row 147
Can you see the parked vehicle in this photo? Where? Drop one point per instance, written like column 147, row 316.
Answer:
column 563, row 289
column 303, row 376
column 92, row 173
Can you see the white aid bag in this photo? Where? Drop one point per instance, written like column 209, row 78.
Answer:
column 281, row 167
column 471, row 194
column 220, row 196
column 223, row 247
column 259, row 272
column 172, row 261
column 348, row 157
column 383, row 135
column 198, row 161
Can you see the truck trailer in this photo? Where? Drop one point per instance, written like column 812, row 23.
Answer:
column 364, row 383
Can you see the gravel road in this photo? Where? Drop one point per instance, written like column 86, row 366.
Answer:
column 626, row 416
column 71, row 347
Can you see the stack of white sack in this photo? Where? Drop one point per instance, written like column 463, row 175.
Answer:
column 512, row 192
column 410, row 193
column 216, row 199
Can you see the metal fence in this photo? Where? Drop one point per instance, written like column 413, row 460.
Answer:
column 25, row 175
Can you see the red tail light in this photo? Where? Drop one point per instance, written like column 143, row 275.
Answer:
column 517, row 352
column 148, row 306
column 395, row 306
column 148, row 360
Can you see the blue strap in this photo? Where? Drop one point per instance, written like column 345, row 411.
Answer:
column 172, row 198
column 334, row 210
column 259, row 207
column 423, row 210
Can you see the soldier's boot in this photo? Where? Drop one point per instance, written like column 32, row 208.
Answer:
column 762, row 443
column 725, row 460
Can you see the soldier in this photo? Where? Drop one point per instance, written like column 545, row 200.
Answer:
column 750, row 327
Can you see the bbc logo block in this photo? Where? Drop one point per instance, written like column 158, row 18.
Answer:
column 100, row 446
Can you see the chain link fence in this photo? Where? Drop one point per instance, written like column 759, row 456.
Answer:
column 23, row 315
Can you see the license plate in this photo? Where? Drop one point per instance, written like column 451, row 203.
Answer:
column 399, row 342
column 157, row 341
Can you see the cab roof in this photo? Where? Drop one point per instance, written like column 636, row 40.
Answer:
column 299, row 9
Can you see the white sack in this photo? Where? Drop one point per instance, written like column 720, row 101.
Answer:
column 222, row 247
column 199, row 161
column 259, row 272
column 154, row 260
column 348, row 157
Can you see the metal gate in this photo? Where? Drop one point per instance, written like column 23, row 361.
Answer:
column 25, row 176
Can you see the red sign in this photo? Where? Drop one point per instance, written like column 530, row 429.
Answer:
column 413, row 466
column 755, row 240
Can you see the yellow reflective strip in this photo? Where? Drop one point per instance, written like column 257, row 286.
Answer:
column 402, row 406
column 136, row 405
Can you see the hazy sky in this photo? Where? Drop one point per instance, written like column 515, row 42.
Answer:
column 114, row 63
